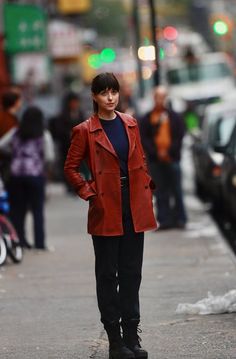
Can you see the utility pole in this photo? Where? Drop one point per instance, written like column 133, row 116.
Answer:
column 154, row 28
column 136, row 47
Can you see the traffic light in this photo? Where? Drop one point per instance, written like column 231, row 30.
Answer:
column 107, row 55
column 170, row 33
column 147, row 53
column 220, row 28
column 96, row 60
column 222, row 24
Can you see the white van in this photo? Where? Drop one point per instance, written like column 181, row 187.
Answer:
column 201, row 82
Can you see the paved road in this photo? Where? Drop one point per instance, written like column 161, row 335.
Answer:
column 48, row 306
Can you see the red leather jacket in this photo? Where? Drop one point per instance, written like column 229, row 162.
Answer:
column 89, row 142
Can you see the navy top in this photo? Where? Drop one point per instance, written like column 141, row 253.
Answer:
column 115, row 131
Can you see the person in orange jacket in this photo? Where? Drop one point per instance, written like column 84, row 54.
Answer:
column 162, row 132
column 120, row 210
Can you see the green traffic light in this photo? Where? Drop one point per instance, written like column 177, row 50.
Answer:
column 94, row 61
column 162, row 53
column 220, row 27
column 107, row 55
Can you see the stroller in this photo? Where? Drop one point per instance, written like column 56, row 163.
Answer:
column 9, row 241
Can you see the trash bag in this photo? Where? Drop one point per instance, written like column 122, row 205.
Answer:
column 210, row 305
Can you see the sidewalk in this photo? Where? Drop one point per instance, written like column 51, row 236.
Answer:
column 48, row 306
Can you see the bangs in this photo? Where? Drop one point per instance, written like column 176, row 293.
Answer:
column 104, row 81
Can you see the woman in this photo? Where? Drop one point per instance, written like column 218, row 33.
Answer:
column 31, row 150
column 120, row 210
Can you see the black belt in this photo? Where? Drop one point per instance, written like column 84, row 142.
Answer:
column 124, row 181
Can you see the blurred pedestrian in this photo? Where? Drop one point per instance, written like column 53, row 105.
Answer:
column 11, row 102
column 61, row 129
column 32, row 152
column 162, row 132
column 126, row 101
column 120, row 210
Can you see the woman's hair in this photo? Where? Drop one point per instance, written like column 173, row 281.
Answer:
column 32, row 124
column 101, row 82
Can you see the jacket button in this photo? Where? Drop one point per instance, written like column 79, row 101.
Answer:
column 102, row 194
column 141, row 167
column 146, row 187
column 100, row 172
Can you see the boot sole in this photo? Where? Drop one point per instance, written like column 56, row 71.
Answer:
column 140, row 357
column 115, row 357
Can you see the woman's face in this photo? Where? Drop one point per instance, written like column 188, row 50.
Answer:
column 107, row 100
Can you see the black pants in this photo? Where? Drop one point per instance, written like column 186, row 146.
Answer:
column 167, row 177
column 27, row 193
column 118, row 269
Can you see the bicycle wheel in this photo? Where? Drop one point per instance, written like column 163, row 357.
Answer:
column 3, row 251
column 14, row 250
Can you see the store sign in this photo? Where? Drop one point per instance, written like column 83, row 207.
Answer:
column 63, row 39
column 74, row 6
column 31, row 69
column 25, row 28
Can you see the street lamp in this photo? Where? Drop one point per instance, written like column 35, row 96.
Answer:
column 137, row 44
column 154, row 27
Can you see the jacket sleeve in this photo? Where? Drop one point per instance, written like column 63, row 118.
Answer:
column 178, row 132
column 49, row 152
column 77, row 152
column 5, row 140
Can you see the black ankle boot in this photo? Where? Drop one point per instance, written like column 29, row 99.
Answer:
column 131, row 338
column 117, row 348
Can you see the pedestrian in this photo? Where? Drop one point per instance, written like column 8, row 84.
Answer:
column 32, row 153
column 162, row 131
column 11, row 102
column 120, row 210
column 61, row 128
column 126, row 100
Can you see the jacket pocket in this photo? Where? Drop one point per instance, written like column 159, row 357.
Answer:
column 92, row 185
column 151, row 183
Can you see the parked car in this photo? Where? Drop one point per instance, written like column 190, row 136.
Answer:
column 218, row 124
column 228, row 177
column 199, row 81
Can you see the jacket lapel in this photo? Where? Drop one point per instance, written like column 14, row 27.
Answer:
column 130, row 125
column 100, row 135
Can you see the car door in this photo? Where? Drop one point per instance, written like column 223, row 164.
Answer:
column 229, row 177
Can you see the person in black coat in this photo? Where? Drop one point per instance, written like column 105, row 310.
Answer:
column 162, row 131
column 61, row 129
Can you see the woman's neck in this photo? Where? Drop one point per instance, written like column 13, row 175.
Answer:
column 107, row 115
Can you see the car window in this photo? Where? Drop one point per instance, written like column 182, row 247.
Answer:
column 198, row 72
column 223, row 130
column 208, row 128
